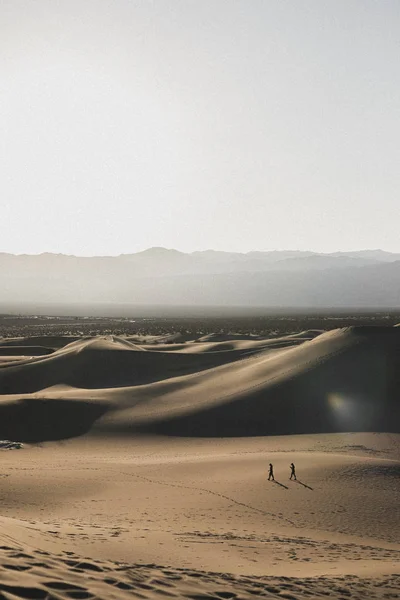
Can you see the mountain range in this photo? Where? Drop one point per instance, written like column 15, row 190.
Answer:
column 160, row 276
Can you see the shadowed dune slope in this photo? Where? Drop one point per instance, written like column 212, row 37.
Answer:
column 24, row 350
column 344, row 380
column 38, row 420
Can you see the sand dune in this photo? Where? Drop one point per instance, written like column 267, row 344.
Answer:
column 223, row 343
column 344, row 380
column 102, row 363
column 219, row 337
column 112, row 510
column 50, row 341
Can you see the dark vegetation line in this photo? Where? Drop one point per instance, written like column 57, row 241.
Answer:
column 190, row 327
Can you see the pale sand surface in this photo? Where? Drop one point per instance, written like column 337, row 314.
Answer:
column 144, row 470
column 90, row 513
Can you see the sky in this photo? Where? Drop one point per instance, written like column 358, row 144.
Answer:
column 234, row 125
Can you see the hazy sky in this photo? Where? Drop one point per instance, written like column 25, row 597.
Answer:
column 192, row 124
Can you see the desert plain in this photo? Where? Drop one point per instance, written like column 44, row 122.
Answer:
column 136, row 468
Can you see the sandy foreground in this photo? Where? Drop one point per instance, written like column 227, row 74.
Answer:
column 162, row 517
column 144, row 468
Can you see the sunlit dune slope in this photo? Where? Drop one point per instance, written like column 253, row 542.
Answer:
column 92, row 518
column 344, row 380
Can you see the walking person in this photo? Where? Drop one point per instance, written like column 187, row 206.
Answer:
column 292, row 472
column 271, row 473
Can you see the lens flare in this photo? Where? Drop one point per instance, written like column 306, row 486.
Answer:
column 337, row 402
column 352, row 413
column 344, row 408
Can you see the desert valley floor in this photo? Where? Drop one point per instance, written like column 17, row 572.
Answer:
column 144, row 466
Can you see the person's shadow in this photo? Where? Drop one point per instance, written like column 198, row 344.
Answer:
column 304, row 484
column 280, row 484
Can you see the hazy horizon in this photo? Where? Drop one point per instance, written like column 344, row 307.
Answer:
column 230, row 125
column 210, row 250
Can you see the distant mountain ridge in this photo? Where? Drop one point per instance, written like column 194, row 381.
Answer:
column 365, row 278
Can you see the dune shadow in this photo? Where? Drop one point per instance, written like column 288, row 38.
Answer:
column 34, row 420
column 304, row 484
column 280, row 484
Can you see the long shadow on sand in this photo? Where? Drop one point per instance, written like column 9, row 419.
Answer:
column 304, row 484
column 280, row 484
